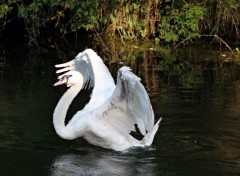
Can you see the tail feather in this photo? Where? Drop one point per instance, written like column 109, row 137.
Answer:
column 148, row 138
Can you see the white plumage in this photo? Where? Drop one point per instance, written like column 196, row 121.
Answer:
column 112, row 111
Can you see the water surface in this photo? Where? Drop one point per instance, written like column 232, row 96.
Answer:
column 198, row 99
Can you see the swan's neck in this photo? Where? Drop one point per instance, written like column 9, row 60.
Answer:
column 60, row 113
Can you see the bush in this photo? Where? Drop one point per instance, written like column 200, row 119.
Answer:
column 163, row 20
column 180, row 23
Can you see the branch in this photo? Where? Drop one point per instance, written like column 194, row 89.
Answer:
column 219, row 39
column 188, row 38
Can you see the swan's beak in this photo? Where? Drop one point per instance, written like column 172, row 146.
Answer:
column 62, row 80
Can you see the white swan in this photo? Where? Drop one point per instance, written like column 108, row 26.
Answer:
column 112, row 111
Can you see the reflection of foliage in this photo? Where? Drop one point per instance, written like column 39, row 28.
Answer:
column 9, row 135
column 179, row 71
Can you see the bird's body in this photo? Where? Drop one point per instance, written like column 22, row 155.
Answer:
column 112, row 111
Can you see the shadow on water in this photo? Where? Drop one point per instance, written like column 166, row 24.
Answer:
column 195, row 91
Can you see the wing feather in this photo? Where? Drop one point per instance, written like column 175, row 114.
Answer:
column 123, row 105
column 131, row 103
column 95, row 74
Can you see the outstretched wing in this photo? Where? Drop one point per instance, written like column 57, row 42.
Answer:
column 129, row 104
column 95, row 74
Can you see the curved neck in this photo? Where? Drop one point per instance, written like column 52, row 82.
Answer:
column 60, row 112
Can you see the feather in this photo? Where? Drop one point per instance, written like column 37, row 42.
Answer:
column 113, row 110
column 131, row 100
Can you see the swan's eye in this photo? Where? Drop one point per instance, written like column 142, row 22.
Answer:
column 65, row 77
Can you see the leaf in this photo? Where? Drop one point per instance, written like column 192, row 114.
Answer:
column 113, row 19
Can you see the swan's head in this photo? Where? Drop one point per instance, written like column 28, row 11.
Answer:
column 70, row 78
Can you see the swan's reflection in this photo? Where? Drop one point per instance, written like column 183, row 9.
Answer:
column 101, row 163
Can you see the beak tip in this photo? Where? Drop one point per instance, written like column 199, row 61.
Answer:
column 61, row 80
column 57, row 83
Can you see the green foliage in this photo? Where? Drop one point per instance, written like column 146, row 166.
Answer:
column 34, row 17
column 4, row 9
column 84, row 14
column 180, row 23
column 130, row 20
column 170, row 21
column 222, row 18
column 238, row 51
column 126, row 22
column 63, row 15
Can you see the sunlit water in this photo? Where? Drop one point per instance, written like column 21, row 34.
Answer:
column 199, row 133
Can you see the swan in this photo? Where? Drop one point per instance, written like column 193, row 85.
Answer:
column 113, row 110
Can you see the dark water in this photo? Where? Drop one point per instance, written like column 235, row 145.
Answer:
column 198, row 98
